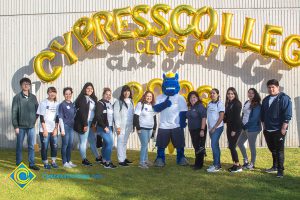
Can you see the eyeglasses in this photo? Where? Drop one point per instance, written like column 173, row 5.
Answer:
column 26, row 84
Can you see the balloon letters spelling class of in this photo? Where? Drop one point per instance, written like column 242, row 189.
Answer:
column 111, row 26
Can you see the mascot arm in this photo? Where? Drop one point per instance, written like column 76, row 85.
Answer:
column 182, row 117
column 161, row 106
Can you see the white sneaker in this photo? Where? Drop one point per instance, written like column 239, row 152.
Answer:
column 149, row 163
column 143, row 166
column 67, row 165
column 72, row 164
column 213, row 169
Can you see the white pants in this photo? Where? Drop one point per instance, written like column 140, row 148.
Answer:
column 122, row 143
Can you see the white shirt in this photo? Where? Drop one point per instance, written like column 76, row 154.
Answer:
column 110, row 113
column 272, row 99
column 49, row 110
column 246, row 112
column 213, row 113
column 169, row 117
column 146, row 119
column 130, row 110
column 91, row 109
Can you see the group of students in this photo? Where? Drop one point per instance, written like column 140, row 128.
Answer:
column 90, row 117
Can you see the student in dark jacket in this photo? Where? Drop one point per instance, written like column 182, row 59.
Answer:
column 24, row 107
column 85, row 110
column 103, row 125
column 233, row 108
column 276, row 113
column 145, row 123
column 196, row 116
column 251, row 127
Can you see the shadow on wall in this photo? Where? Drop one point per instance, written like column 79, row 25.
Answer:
column 250, row 72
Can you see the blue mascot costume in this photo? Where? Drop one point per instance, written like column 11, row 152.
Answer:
column 172, row 108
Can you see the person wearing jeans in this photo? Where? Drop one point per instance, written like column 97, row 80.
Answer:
column 232, row 118
column 276, row 112
column 251, row 127
column 24, row 107
column 123, row 118
column 47, row 111
column 145, row 123
column 215, row 124
column 66, row 114
column 85, row 112
column 102, row 124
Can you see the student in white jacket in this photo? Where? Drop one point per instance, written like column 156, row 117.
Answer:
column 123, row 117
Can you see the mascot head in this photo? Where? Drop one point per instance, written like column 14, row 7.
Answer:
column 170, row 85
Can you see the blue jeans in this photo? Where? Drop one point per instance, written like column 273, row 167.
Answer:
column 45, row 144
column 107, row 143
column 215, row 137
column 30, row 140
column 90, row 136
column 67, row 144
column 144, row 136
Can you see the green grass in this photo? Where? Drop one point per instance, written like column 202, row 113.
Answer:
column 171, row 182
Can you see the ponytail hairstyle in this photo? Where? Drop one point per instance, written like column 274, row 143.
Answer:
column 52, row 89
column 218, row 93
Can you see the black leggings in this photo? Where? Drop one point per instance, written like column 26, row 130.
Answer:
column 199, row 145
column 232, row 140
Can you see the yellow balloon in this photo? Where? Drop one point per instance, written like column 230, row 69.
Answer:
column 292, row 62
column 171, row 148
column 211, row 47
column 82, row 28
column 139, row 20
column 108, row 19
column 39, row 69
column 225, row 33
column 204, row 92
column 153, row 84
column 246, row 44
column 268, row 41
column 66, row 49
column 160, row 20
column 213, row 23
column 196, row 48
column 121, row 24
column 187, row 86
column 190, row 11
column 137, row 91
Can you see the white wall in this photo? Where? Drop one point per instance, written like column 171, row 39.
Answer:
column 28, row 27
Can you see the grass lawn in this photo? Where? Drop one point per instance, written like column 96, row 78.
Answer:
column 170, row 182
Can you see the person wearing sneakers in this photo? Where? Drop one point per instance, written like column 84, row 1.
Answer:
column 145, row 123
column 232, row 118
column 47, row 112
column 276, row 112
column 102, row 124
column 215, row 115
column 66, row 115
column 85, row 110
column 123, row 117
column 251, row 127
column 196, row 116
column 24, row 107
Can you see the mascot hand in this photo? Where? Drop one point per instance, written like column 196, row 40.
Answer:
column 167, row 102
column 161, row 106
column 182, row 116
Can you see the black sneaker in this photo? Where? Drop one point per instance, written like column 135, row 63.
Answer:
column 279, row 174
column 272, row 170
column 231, row 168
column 34, row 167
column 99, row 160
column 109, row 165
column 85, row 162
column 195, row 167
column 127, row 161
column 236, row 168
column 245, row 165
column 123, row 164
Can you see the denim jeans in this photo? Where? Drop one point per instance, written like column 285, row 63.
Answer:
column 45, row 144
column 107, row 143
column 144, row 136
column 67, row 144
column 215, row 137
column 19, row 145
column 90, row 136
